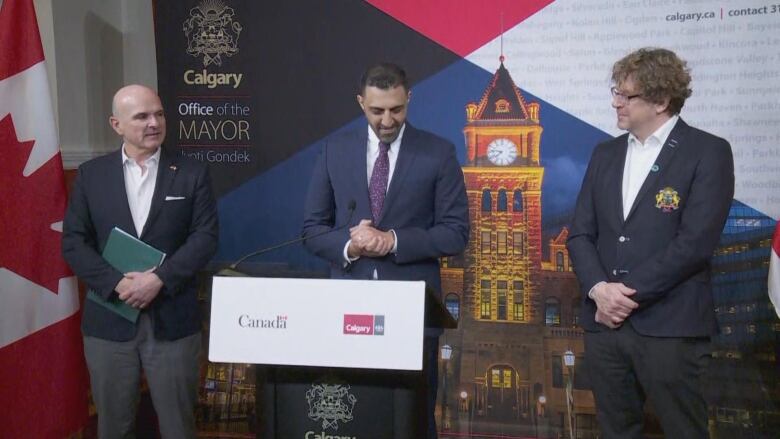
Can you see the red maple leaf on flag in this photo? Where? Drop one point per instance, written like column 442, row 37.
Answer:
column 31, row 205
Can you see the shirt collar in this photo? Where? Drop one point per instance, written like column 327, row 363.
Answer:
column 660, row 135
column 153, row 160
column 373, row 140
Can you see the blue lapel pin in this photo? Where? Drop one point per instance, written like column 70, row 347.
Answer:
column 655, row 168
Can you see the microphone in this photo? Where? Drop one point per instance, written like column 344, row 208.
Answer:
column 232, row 269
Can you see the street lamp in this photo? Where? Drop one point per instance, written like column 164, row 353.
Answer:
column 446, row 354
column 541, row 431
column 464, row 396
column 568, row 361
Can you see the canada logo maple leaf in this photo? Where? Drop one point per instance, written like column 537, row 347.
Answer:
column 30, row 206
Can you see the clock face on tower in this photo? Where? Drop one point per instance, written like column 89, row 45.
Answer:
column 502, row 152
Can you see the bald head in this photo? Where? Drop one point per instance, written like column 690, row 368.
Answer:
column 137, row 116
column 125, row 96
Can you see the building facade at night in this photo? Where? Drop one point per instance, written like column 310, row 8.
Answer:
column 516, row 307
column 744, row 394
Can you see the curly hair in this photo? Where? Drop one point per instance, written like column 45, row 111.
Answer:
column 658, row 73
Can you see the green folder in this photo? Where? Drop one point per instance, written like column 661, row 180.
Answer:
column 126, row 253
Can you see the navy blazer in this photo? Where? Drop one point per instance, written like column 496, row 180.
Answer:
column 425, row 205
column 663, row 249
column 185, row 228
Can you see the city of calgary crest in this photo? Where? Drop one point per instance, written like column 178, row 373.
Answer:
column 667, row 199
column 212, row 32
column 330, row 403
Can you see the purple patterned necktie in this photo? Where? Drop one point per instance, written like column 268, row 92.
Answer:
column 378, row 185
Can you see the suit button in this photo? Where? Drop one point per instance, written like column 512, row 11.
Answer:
column 622, row 239
column 614, row 272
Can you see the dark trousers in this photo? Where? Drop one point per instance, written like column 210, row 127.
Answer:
column 172, row 372
column 431, row 385
column 625, row 368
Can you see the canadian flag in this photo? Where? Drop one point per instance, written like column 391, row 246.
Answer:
column 774, row 270
column 43, row 379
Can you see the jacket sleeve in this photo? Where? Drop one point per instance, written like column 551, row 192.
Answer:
column 449, row 234
column 80, row 246
column 319, row 214
column 585, row 232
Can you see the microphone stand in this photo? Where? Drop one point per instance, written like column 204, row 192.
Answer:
column 232, row 270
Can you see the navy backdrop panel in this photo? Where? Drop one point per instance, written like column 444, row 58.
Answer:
column 301, row 62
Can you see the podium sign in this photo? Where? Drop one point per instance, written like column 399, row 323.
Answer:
column 317, row 322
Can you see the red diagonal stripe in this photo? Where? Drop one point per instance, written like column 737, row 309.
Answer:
column 20, row 42
column 461, row 26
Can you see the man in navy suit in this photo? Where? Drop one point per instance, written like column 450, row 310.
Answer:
column 408, row 195
column 166, row 201
column 648, row 217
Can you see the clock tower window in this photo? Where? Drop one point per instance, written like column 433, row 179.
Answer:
column 487, row 200
column 485, row 242
column 518, row 313
column 501, row 243
column 517, row 201
column 552, row 312
column 501, row 299
column 503, row 106
column 484, row 306
column 501, row 201
column 517, row 238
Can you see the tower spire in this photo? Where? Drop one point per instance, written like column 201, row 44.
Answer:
column 501, row 58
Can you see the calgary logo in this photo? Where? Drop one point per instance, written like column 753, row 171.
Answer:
column 330, row 403
column 212, row 32
column 359, row 324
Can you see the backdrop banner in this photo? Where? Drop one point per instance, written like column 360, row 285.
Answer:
column 254, row 88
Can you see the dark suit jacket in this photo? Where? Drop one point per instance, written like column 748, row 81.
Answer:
column 426, row 205
column 185, row 229
column 663, row 253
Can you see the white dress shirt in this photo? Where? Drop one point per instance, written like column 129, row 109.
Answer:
column 139, row 185
column 640, row 158
column 372, row 153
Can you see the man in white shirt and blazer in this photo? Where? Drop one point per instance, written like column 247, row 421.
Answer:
column 649, row 215
column 166, row 201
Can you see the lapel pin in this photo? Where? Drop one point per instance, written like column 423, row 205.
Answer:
column 655, row 168
column 673, row 143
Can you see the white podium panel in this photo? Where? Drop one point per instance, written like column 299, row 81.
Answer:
column 317, row 322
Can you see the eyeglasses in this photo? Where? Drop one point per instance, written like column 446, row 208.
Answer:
column 620, row 98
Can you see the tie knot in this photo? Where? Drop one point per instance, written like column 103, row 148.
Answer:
column 384, row 147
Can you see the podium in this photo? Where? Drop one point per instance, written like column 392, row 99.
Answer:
column 336, row 358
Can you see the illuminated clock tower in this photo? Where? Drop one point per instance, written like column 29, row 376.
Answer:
column 504, row 183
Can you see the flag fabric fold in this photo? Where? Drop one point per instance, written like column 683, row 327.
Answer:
column 774, row 270
column 44, row 382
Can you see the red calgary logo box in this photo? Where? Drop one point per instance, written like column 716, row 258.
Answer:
column 357, row 324
column 362, row 324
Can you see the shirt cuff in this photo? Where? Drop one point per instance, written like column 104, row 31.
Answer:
column 347, row 259
column 395, row 242
column 593, row 288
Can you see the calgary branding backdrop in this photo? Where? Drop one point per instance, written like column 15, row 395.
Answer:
column 253, row 89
